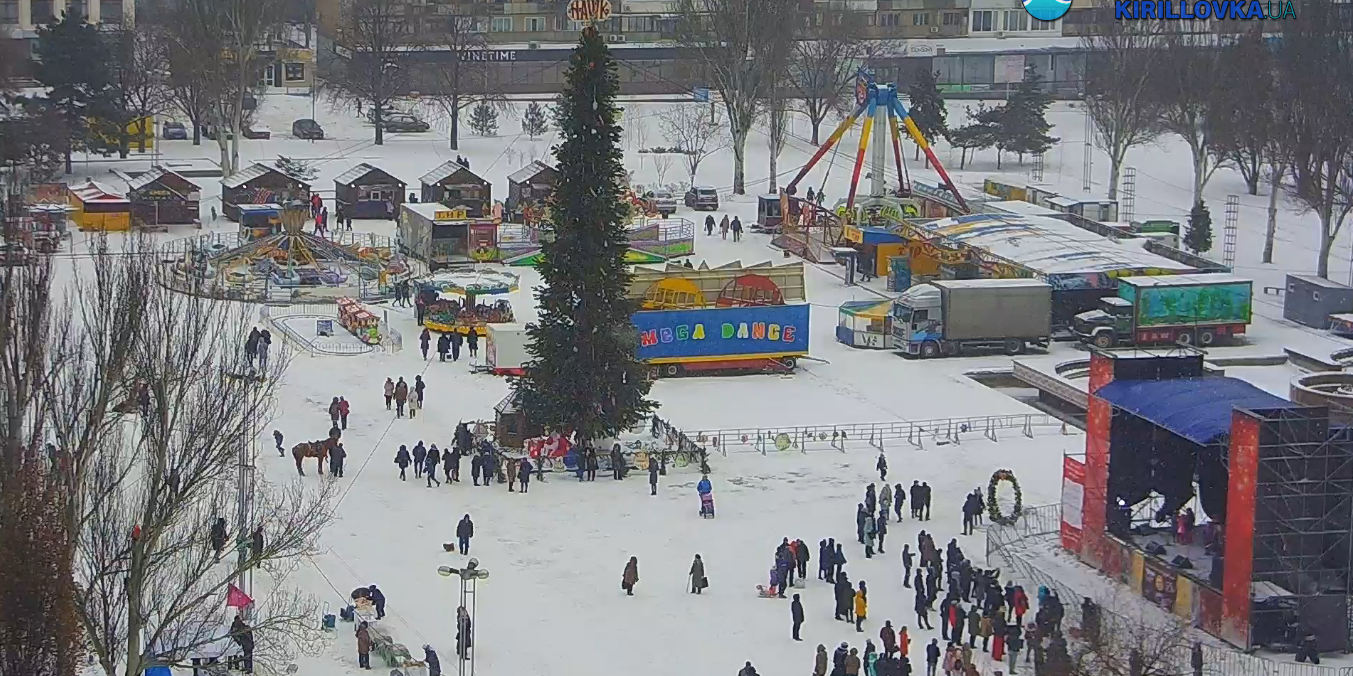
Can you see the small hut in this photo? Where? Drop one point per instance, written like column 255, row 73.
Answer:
column 164, row 197
column 260, row 184
column 865, row 323
column 367, row 192
column 530, row 185
column 511, row 429
column 98, row 207
column 453, row 183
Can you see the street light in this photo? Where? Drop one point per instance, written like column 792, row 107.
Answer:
column 469, row 576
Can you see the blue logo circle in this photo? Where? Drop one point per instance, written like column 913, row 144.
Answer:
column 1047, row 10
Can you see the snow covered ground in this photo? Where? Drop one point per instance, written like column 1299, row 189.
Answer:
column 556, row 554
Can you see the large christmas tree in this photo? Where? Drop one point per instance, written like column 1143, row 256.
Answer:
column 585, row 374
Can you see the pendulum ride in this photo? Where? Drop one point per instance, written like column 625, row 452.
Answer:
column 882, row 112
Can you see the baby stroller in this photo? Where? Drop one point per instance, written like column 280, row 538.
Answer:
column 707, row 505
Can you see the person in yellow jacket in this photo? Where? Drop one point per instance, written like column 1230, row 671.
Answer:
column 861, row 609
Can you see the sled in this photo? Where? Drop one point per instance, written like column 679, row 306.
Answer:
column 763, row 592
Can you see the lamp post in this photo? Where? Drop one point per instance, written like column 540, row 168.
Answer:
column 469, row 578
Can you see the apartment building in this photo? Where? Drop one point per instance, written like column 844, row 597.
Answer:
column 27, row 15
column 1007, row 18
column 912, row 19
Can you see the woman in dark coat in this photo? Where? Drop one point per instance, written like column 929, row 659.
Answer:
column 698, row 581
column 631, row 576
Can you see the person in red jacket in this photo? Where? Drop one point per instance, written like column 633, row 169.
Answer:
column 1021, row 605
column 343, row 409
column 903, row 641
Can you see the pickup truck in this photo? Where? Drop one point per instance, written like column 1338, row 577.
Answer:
column 661, row 201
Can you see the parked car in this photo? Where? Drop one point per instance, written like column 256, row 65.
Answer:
column 404, row 122
column 386, row 112
column 661, row 201
column 175, row 131
column 256, row 133
column 307, row 129
column 15, row 254
column 702, row 197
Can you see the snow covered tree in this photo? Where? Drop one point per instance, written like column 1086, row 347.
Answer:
column 927, row 107
column 484, row 119
column 1199, row 237
column 1024, row 118
column 979, row 133
column 694, row 130
column 585, row 374
column 533, row 121
column 1185, row 86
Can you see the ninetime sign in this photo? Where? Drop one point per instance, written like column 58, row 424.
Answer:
column 589, row 10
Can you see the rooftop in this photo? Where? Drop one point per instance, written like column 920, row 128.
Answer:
column 254, row 171
column 347, row 177
column 529, row 171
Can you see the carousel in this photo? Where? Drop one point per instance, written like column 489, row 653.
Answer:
column 282, row 262
column 451, row 300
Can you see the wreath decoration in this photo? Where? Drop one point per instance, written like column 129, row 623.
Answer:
column 994, row 510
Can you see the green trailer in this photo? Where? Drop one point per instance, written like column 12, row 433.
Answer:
column 1199, row 309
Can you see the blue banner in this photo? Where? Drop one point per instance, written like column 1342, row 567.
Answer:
column 722, row 332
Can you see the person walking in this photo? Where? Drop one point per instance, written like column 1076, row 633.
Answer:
column 882, row 467
column 801, row 558
column 932, row 656
column 888, row 638
column 443, row 346
column 512, row 468
column 424, row 341
column 464, row 531
column 709, row 225
column 630, row 577
column 434, row 459
column 697, row 575
column 723, row 227
column 363, row 646
column 336, row 457
column 881, row 529
column 389, row 392
column 415, row 403
column 456, row 341
column 524, row 473
column 243, row 636
column 343, row 409
column 853, row 663
column 820, row 661
column 401, row 396
column 796, row 614
column 737, row 229
column 652, row 476
column 899, row 497
column 402, row 460
column 434, row 665
column 420, row 455
column 907, row 557
column 333, row 412
column 472, row 343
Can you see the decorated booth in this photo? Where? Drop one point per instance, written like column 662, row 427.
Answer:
column 865, row 323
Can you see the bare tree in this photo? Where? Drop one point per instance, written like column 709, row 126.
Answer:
column 140, row 87
column 1314, row 140
column 1119, row 67
column 1186, row 86
column 189, row 92
column 1132, row 639
column 742, row 44
column 247, row 27
column 662, row 163
column 824, row 64
column 380, row 69
column 151, row 586
column 695, row 131
column 464, row 79
column 39, row 632
column 777, row 123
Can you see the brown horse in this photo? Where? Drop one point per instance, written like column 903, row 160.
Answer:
column 319, row 450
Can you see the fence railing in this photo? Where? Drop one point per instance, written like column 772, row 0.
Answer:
column 917, row 433
column 1007, row 546
column 391, row 340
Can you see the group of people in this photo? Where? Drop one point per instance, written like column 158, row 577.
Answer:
column 725, row 226
column 486, row 462
column 256, row 347
column 400, row 395
column 449, row 343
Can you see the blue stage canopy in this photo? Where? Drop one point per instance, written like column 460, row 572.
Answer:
column 1198, row 409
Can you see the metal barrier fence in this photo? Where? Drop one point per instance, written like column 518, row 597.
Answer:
column 391, row 340
column 1006, row 547
column 917, row 433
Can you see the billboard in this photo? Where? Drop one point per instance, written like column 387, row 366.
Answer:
column 711, row 333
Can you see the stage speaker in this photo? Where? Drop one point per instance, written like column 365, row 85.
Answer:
column 1155, row 549
column 1182, row 562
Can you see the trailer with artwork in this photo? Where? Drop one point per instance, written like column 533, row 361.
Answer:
column 1198, row 309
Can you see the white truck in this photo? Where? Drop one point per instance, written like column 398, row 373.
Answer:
column 505, row 350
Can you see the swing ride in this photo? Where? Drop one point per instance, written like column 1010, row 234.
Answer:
column 811, row 230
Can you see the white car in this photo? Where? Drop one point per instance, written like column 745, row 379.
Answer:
column 661, row 201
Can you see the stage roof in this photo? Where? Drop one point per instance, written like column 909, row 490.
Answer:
column 1198, row 409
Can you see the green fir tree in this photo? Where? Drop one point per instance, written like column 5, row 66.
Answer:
column 927, row 108
column 73, row 64
column 484, row 119
column 1024, row 118
column 533, row 121
column 585, row 374
column 1199, row 237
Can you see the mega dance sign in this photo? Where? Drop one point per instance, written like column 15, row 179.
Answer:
column 722, row 332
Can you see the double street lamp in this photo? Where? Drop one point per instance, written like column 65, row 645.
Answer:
column 469, row 576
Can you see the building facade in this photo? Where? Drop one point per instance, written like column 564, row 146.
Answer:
column 27, row 15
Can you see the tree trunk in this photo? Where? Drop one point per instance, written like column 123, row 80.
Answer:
column 197, row 132
column 380, row 125
column 1327, row 237
column 455, row 121
column 1115, row 169
column 1198, row 153
column 815, row 125
column 739, row 161
column 773, row 187
column 1252, row 183
column 70, row 169
column 1271, row 230
column 998, row 159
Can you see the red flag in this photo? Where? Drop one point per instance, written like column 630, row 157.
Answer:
column 236, row 598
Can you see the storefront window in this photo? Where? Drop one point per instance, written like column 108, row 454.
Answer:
column 295, row 72
column 9, row 11
column 110, row 11
column 42, row 11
